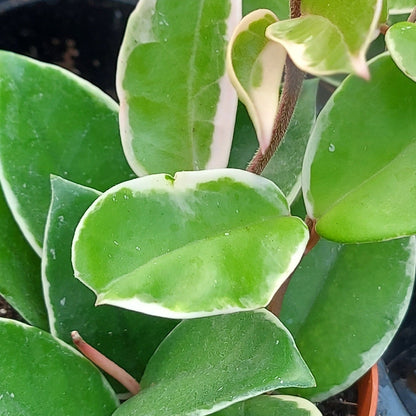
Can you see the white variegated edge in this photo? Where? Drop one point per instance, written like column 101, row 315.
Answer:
column 70, row 349
column 396, row 56
column 370, row 357
column 44, row 258
column 156, row 309
column 139, row 31
column 10, row 196
column 256, row 392
column 261, row 102
column 302, row 403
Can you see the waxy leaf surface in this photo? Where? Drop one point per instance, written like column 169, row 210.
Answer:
column 400, row 6
column 42, row 376
column 344, row 305
column 271, row 406
column 177, row 104
column 284, row 169
column 207, row 364
column 201, row 243
column 330, row 36
column 128, row 338
column 359, row 173
column 20, row 282
column 255, row 66
column 52, row 122
column 401, row 43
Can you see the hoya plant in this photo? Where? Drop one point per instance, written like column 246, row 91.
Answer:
column 210, row 238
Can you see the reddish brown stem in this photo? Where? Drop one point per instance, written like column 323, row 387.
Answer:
column 275, row 304
column 412, row 17
column 384, row 28
column 290, row 94
column 106, row 364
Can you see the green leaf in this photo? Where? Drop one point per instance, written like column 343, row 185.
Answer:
column 201, row 243
column 20, row 282
column 284, row 168
column 128, row 338
column 314, row 44
column 330, row 37
column 401, row 43
column 359, row 171
column 207, row 364
column 255, row 66
column 270, row 405
column 344, row 305
column 400, row 6
column 43, row 376
column 52, row 122
column 177, row 105
column 278, row 7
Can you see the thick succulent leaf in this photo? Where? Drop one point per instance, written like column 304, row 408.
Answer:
column 52, row 122
column 126, row 337
column 357, row 21
column 20, row 282
column 177, row 104
column 207, row 364
column 284, row 169
column 271, row 405
column 359, row 171
column 278, row 7
column 314, row 44
column 401, row 43
column 43, row 376
column 285, row 166
column 400, row 6
column 198, row 244
column 255, row 66
column 343, row 306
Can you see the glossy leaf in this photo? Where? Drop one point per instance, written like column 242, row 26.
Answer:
column 255, row 66
column 201, row 243
column 177, row 105
column 42, row 376
column 314, row 44
column 279, row 7
column 357, row 21
column 207, row 364
column 401, row 43
column 400, row 6
column 20, row 282
column 52, row 122
column 284, row 168
column 359, row 171
column 268, row 405
column 126, row 337
column 344, row 305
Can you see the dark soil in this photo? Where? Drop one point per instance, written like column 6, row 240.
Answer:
column 6, row 311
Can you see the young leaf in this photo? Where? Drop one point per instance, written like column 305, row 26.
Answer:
column 201, row 243
column 400, row 6
column 20, row 282
column 271, row 405
column 359, row 171
column 42, row 376
column 52, row 122
column 401, row 43
column 330, row 37
column 177, row 105
column 344, row 305
column 126, row 337
column 284, row 169
column 255, row 66
column 207, row 364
